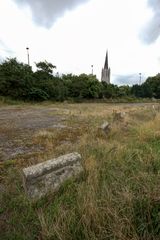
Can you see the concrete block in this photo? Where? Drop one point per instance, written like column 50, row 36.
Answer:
column 106, row 127
column 48, row 176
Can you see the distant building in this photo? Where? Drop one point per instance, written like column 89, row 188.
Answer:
column 105, row 76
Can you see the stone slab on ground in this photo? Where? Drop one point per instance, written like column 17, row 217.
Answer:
column 106, row 127
column 48, row 176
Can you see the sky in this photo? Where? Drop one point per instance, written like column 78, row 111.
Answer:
column 75, row 34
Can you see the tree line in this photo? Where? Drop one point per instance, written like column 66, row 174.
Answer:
column 19, row 81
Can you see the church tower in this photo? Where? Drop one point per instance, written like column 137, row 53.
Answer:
column 105, row 76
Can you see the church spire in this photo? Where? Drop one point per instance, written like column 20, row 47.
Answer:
column 105, row 76
column 106, row 61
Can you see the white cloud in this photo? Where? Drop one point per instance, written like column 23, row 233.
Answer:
column 80, row 38
column 45, row 13
column 151, row 31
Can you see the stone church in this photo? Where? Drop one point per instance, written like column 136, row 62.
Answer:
column 105, row 76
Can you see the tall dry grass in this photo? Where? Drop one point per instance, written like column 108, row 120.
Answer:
column 117, row 196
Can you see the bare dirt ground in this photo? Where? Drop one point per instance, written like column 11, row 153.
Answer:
column 19, row 123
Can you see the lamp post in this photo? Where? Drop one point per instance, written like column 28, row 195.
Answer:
column 140, row 78
column 27, row 48
column 92, row 69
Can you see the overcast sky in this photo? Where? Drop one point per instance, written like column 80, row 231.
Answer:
column 75, row 34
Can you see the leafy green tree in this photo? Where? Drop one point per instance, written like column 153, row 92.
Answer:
column 37, row 94
column 54, row 87
column 15, row 78
column 18, row 81
column 94, row 87
column 124, row 91
column 45, row 67
column 137, row 91
column 146, row 90
column 83, row 86
column 109, row 90
column 154, row 83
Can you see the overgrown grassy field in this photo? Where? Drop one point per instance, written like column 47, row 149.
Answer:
column 118, row 195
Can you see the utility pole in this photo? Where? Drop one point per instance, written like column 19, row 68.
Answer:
column 27, row 48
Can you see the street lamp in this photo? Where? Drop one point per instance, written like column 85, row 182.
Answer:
column 140, row 78
column 92, row 69
column 27, row 48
